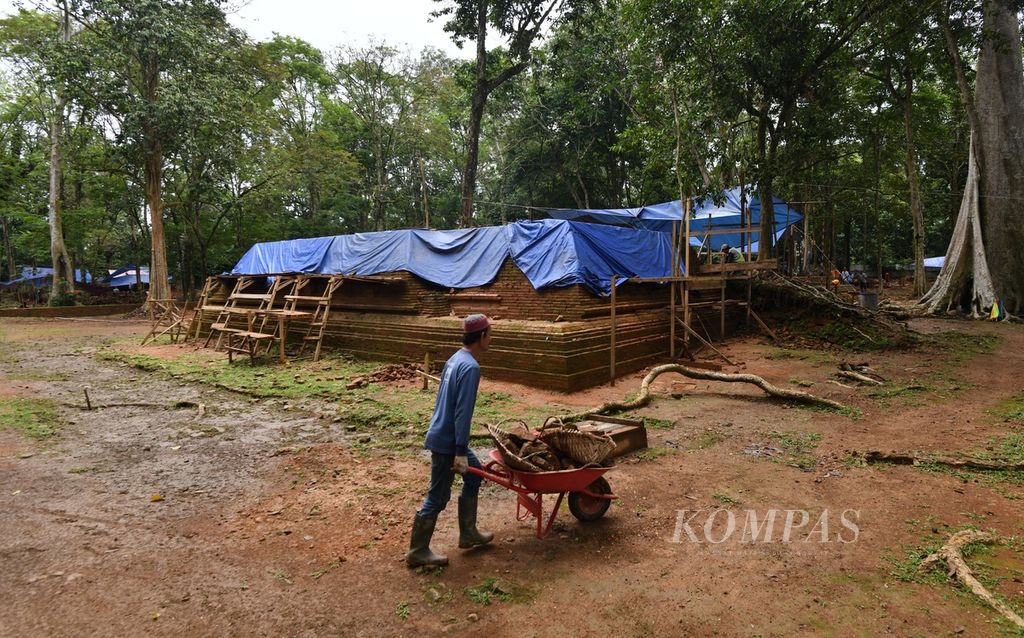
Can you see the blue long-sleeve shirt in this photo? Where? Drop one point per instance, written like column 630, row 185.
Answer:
column 449, row 427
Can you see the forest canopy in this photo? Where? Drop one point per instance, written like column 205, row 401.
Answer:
column 850, row 110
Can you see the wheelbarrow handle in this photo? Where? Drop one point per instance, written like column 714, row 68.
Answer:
column 504, row 481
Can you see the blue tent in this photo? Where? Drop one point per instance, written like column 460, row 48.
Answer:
column 39, row 277
column 550, row 252
column 126, row 276
column 706, row 215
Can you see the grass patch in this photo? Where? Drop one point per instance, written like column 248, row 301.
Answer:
column 402, row 610
column 326, row 569
column 1011, row 410
column 324, row 379
column 793, row 448
column 900, row 390
column 992, row 565
column 803, row 383
column 707, row 439
column 35, row 417
column 500, row 590
column 653, row 453
column 1009, row 449
column 725, row 499
column 657, row 424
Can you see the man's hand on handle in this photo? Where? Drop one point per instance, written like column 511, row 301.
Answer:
column 460, row 464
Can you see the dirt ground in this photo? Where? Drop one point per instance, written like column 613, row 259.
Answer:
column 252, row 517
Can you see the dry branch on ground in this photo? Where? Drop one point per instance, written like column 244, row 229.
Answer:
column 919, row 458
column 951, row 555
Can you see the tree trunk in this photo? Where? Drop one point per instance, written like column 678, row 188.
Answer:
column 965, row 256
column 1000, row 104
column 767, row 151
column 159, row 287
column 476, row 116
column 8, row 248
column 989, row 230
column 913, row 180
column 61, row 263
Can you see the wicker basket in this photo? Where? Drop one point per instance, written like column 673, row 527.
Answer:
column 583, row 447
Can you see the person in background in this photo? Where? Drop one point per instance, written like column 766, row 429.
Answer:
column 846, row 277
column 862, row 281
column 732, row 255
column 448, row 442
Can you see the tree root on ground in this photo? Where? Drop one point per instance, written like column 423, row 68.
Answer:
column 644, row 397
column 951, row 555
column 916, row 458
column 858, row 377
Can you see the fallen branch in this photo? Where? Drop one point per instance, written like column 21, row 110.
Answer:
column 951, row 555
column 914, row 458
column 643, row 398
column 858, row 377
column 841, row 385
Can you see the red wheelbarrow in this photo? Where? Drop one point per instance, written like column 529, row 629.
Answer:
column 589, row 492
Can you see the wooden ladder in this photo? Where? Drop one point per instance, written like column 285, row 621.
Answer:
column 318, row 322
column 196, row 323
column 221, row 324
column 255, row 334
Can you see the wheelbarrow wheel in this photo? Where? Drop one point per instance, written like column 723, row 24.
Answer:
column 587, row 508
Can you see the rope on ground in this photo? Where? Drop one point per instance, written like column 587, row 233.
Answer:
column 644, row 397
column 951, row 555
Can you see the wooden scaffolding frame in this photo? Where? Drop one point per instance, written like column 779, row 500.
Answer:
column 709, row 276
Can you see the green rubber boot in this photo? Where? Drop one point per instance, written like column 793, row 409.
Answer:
column 469, row 535
column 419, row 547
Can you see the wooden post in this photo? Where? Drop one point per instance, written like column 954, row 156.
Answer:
column 806, row 269
column 672, row 296
column 686, row 271
column 721, row 329
column 611, row 367
column 426, row 369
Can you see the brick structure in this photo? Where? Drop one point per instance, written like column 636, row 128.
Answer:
column 556, row 338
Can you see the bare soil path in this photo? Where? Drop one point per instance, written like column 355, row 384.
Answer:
column 262, row 517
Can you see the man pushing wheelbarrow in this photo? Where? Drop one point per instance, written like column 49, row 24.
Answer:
column 448, row 442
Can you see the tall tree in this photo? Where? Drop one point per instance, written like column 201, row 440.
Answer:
column 984, row 258
column 63, row 271
column 517, row 21
column 145, row 57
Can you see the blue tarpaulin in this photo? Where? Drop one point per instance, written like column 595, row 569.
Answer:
column 549, row 252
column 453, row 258
column 706, row 215
column 40, row 277
column 557, row 253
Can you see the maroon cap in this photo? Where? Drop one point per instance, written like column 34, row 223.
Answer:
column 475, row 323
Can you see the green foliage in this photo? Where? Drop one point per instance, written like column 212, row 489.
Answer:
column 276, row 140
column 796, row 448
column 35, row 417
column 1011, row 410
column 725, row 499
column 402, row 610
column 501, row 590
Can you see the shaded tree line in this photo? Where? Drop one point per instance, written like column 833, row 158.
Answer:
column 176, row 131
